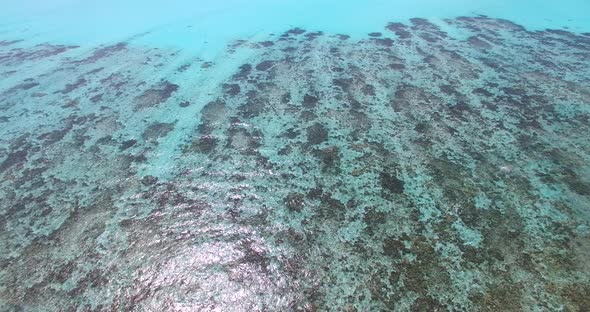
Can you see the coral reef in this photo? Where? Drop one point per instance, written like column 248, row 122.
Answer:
column 412, row 169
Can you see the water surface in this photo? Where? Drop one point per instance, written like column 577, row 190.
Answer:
column 294, row 156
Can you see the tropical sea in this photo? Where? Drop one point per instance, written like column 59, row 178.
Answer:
column 294, row 155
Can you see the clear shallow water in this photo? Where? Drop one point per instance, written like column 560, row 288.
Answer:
column 301, row 156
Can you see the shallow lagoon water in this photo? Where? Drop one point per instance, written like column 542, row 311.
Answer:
column 295, row 156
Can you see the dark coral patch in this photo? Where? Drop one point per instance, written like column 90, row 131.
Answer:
column 94, row 71
column 101, row 53
column 310, row 101
column 38, row 52
column 24, row 86
column 330, row 159
column 359, row 120
column 460, row 110
column 407, row 96
column 482, row 92
column 391, row 183
column 5, row 43
column 431, row 38
column 514, row 91
column 204, row 144
column 291, row 133
column 13, row 159
column 213, row 112
column 313, row 35
column 73, row 86
column 252, row 108
column 285, row 151
column 331, row 208
column 400, row 30
column 368, row 90
column 236, row 44
column 266, row 44
column 374, row 218
column 264, row 65
column 231, row 89
column 308, row 115
column 479, row 43
column 449, row 90
column 182, row 68
column 575, row 182
column 317, row 134
column 155, row 96
column 294, row 31
column 157, row 130
column 127, row 144
column 286, row 98
column 422, row 127
column 397, row 66
column 315, row 193
column 295, row 201
column 252, row 255
column 492, row 63
column 394, row 247
column 149, row 180
column 289, row 49
column 245, row 142
column 423, row 23
column 386, row 42
column 97, row 98
column 55, row 135
column 343, row 83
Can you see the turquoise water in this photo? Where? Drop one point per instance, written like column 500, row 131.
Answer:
column 294, row 156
